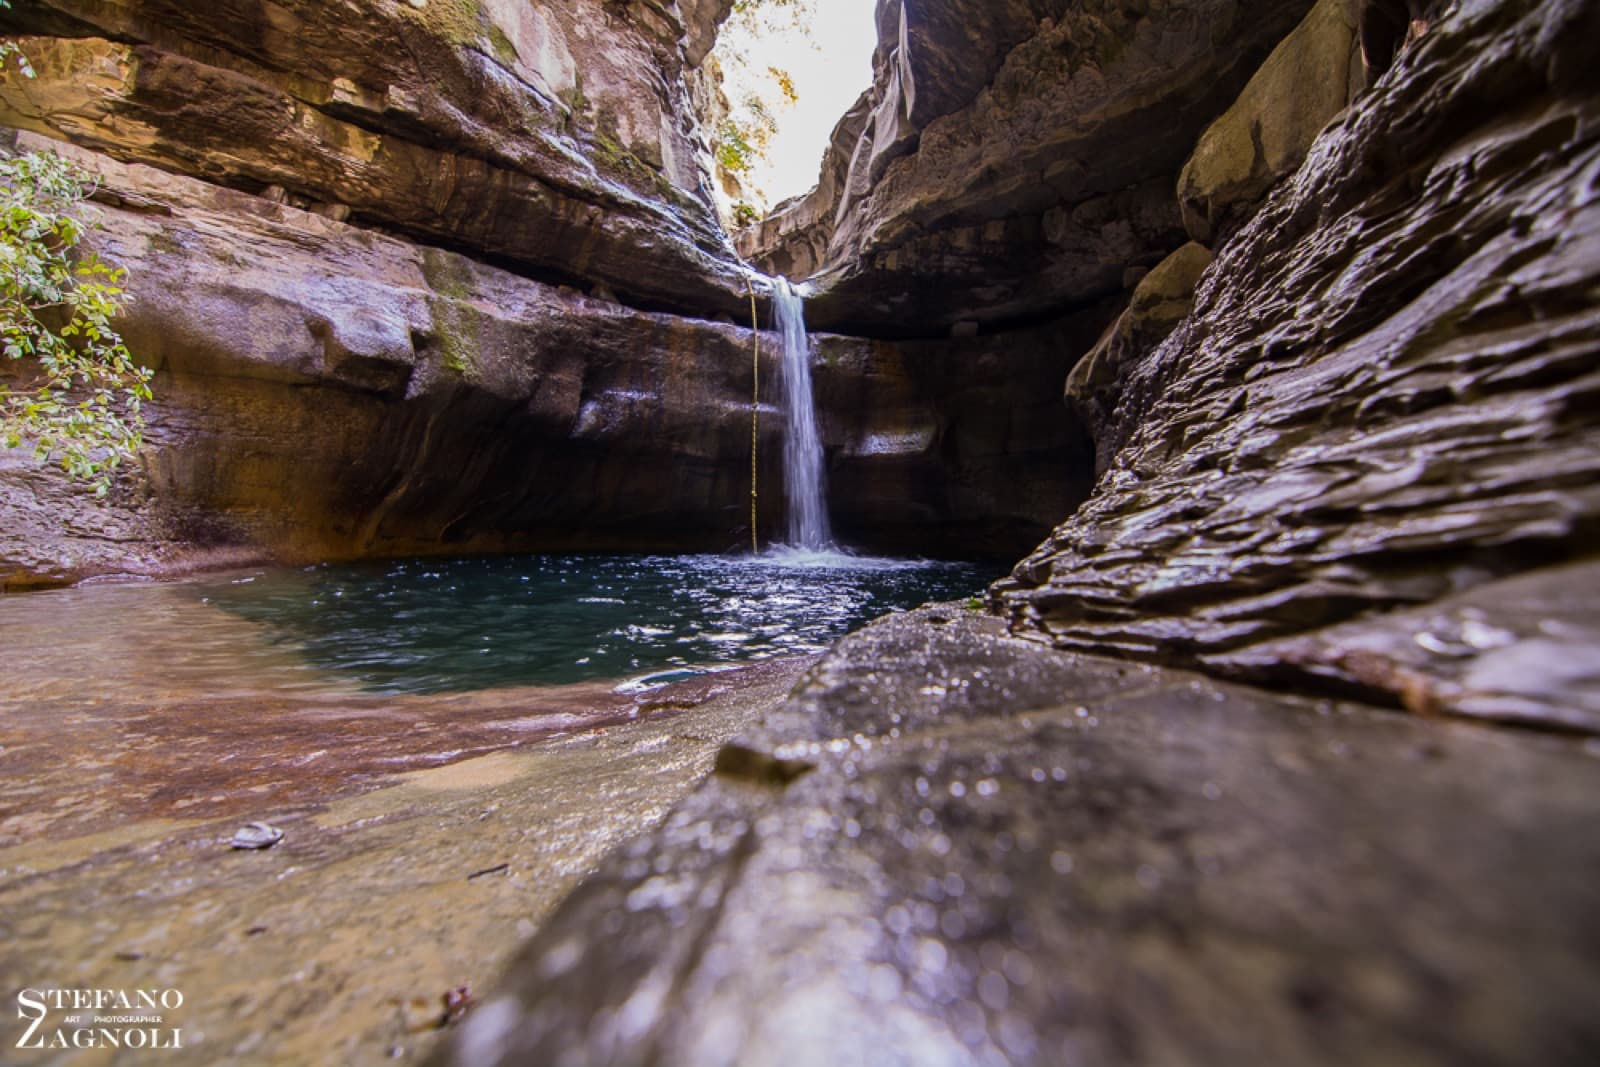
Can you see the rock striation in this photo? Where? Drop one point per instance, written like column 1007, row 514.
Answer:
column 330, row 392
column 1351, row 445
column 558, row 138
column 1384, row 393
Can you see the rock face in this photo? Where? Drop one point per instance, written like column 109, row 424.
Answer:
column 444, row 277
column 558, row 138
column 510, row 413
column 1031, row 182
column 1265, row 135
column 953, row 847
column 1357, row 450
column 955, row 447
column 1384, row 394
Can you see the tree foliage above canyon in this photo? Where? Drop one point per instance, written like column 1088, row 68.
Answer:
column 758, row 92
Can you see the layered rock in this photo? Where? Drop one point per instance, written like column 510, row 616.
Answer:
column 1261, row 139
column 559, row 139
column 324, row 391
column 1384, row 394
column 445, row 277
column 1264, row 136
column 1029, row 184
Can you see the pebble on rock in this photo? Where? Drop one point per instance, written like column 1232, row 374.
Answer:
column 257, row 835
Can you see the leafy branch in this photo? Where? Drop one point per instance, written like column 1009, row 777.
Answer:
column 756, row 93
column 76, row 397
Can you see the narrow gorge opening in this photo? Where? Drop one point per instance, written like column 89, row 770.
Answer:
column 788, row 71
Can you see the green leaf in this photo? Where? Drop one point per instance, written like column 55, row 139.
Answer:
column 81, row 407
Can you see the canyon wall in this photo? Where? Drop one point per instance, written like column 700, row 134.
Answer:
column 444, row 276
column 1032, row 182
column 1382, row 401
column 1348, row 328
column 1351, row 446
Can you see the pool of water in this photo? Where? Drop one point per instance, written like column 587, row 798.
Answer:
column 438, row 626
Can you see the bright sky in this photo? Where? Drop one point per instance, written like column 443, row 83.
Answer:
column 828, row 79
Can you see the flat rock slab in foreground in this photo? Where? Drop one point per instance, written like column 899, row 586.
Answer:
column 952, row 848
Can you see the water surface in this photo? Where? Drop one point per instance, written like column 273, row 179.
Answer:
column 437, row 626
column 250, row 692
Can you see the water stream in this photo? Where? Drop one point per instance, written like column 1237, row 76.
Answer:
column 804, row 481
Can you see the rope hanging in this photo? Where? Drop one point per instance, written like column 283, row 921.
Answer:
column 755, row 414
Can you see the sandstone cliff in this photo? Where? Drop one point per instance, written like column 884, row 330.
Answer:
column 444, row 276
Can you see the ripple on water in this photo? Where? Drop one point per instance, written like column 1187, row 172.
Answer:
column 469, row 624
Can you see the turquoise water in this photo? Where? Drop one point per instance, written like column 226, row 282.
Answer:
column 436, row 626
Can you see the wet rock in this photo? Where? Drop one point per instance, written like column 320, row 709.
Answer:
column 1383, row 395
column 365, row 936
column 1011, row 855
column 1519, row 651
column 256, row 836
column 1013, row 159
column 55, row 533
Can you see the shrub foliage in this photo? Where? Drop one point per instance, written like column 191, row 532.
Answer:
column 73, row 392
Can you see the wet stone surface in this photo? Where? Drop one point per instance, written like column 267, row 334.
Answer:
column 168, row 708
column 1012, row 856
column 340, row 943
column 1519, row 651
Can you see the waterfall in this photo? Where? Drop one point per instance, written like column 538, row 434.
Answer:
column 803, row 478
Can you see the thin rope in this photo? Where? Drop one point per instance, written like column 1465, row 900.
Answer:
column 755, row 415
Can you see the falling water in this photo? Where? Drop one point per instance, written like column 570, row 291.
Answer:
column 803, row 478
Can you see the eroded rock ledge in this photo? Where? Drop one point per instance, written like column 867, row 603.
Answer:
column 325, row 392
column 557, row 139
column 1385, row 392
